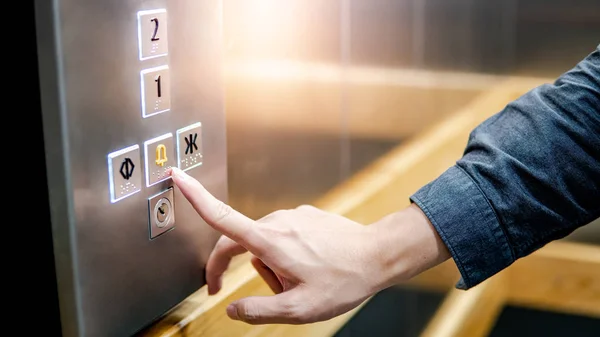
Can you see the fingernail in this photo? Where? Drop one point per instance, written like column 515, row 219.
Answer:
column 232, row 312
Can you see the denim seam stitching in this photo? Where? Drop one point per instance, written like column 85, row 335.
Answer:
column 510, row 247
column 458, row 261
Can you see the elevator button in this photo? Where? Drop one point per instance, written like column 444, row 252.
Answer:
column 124, row 173
column 155, row 90
column 189, row 146
column 159, row 157
column 152, row 33
column 161, row 213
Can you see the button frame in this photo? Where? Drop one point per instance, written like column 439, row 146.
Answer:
column 163, row 47
column 145, row 89
column 155, row 227
column 150, row 158
column 136, row 176
column 182, row 142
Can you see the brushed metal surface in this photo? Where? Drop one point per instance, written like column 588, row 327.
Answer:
column 113, row 280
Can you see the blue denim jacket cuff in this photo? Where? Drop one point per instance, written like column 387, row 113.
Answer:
column 467, row 223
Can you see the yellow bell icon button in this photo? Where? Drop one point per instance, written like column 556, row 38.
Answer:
column 161, row 155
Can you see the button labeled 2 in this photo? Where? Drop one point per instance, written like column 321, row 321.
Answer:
column 152, row 33
column 156, row 90
column 189, row 146
column 124, row 174
column 159, row 157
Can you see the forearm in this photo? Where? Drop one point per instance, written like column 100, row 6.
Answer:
column 405, row 244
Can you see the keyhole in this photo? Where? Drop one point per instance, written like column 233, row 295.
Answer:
column 162, row 211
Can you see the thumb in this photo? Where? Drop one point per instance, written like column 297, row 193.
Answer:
column 283, row 308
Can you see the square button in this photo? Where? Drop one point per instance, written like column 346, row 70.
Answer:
column 152, row 33
column 161, row 213
column 124, row 173
column 159, row 157
column 156, row 90
column 189, row 146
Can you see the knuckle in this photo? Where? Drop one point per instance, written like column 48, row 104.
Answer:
column 306, row 207
column 310, row 211
column 248, row 312
column 296, row 312
column 300, row 316
column 280, row 213
column 222, row 211
column 271, row 231
column 274, row 216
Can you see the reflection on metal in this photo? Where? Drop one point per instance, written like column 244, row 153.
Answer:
column 112, row 278
column 313, row 72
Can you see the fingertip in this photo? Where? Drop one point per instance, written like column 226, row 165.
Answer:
column 214, row 286
column 177, row 174
column 232, row 312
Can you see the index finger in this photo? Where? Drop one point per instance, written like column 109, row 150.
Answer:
column 216, row 213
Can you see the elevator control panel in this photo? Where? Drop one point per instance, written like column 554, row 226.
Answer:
column 134, row 89
column 162, row 152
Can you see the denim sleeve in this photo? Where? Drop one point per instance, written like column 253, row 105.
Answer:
column 529, row 175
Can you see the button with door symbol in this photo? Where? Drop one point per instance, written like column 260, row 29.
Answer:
column 189, row 146
column 155, row 90
column 152, row 33
column 124, row 173
column 159, row 156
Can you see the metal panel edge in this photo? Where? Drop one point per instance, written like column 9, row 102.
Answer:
column 57, row 162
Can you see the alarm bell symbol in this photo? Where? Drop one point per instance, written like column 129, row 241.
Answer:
column 161, row 155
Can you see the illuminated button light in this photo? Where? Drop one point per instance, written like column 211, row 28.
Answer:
column 124, row 175
column 159, row 158
column 152, row 33
column 155, row 87
column 189, row 146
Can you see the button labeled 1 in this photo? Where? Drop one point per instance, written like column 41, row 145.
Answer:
column 124, row 174
column 189, row 146
column 156, row 90
column 159, row 158
column 152, row 33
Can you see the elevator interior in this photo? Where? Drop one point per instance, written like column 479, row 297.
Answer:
column 315, row 91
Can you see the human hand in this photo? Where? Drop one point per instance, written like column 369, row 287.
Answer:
column 319, row 264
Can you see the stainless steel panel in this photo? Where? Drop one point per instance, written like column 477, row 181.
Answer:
column 114, row 280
